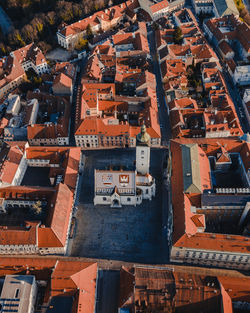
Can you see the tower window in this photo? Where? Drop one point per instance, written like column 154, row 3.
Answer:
column 142, row 152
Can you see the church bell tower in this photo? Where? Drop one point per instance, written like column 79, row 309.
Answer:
column 143, row 151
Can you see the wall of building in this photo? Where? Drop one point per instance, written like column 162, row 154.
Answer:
column 60, row 141
column 11, row 86
column 18, row 249
column 142, row 159
column 147, row 191
column 211, row 258
column 20, row 172
column 124, row 200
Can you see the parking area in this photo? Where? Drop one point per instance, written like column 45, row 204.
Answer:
column 129, row 233
column 59, row 54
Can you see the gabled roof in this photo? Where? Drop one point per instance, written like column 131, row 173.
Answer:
column 191, row 169
column 11, row 164
column 63, row 277
column 223, row 156
column 159, row 6
column 13, row 235
column 56, row 234
column 186, row 223
column 226, row 301
column 226, row 7
column 62, row 80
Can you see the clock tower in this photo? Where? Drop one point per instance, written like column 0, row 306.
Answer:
column 143, row 151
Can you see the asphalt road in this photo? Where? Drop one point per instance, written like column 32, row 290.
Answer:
column 5, row 22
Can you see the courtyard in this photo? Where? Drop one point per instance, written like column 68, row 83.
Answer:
column 132, row 234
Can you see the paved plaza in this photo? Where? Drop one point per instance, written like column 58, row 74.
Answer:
column 129, row 233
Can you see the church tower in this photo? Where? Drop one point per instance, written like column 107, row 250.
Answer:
column 143, row 151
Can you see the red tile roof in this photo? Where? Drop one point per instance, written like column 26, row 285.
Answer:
column 226, row 301
column 52, row 130
column 185, row 232
column 159, row 6
column 225, row 47
column 233, row 29
column 184, row 291
column 65, row 277
column 62, row 80
column 10, row 235
column 106, row 15
column 11, row 164
column 59, row 199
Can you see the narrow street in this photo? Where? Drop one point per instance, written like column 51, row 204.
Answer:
column 166, row 136
column 235, row 95
column 76, row 100
column 161, row 99
column 233, row 91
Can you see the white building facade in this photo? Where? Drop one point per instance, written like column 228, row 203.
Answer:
column 118, row 188
column 241, row 75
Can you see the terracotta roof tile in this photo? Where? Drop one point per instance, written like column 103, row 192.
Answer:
column 159, row 6
column 185, row 233
column 11, row 164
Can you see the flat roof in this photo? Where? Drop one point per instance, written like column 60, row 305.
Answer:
column 223, row 200
column 16, row 293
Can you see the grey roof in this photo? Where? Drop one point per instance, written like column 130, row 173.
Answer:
column 224, row 200
column 226, row 7
column 191, row 168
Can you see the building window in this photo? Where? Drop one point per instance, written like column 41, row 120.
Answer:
column 146, row 191
column 128, row 199
column 17, row 293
